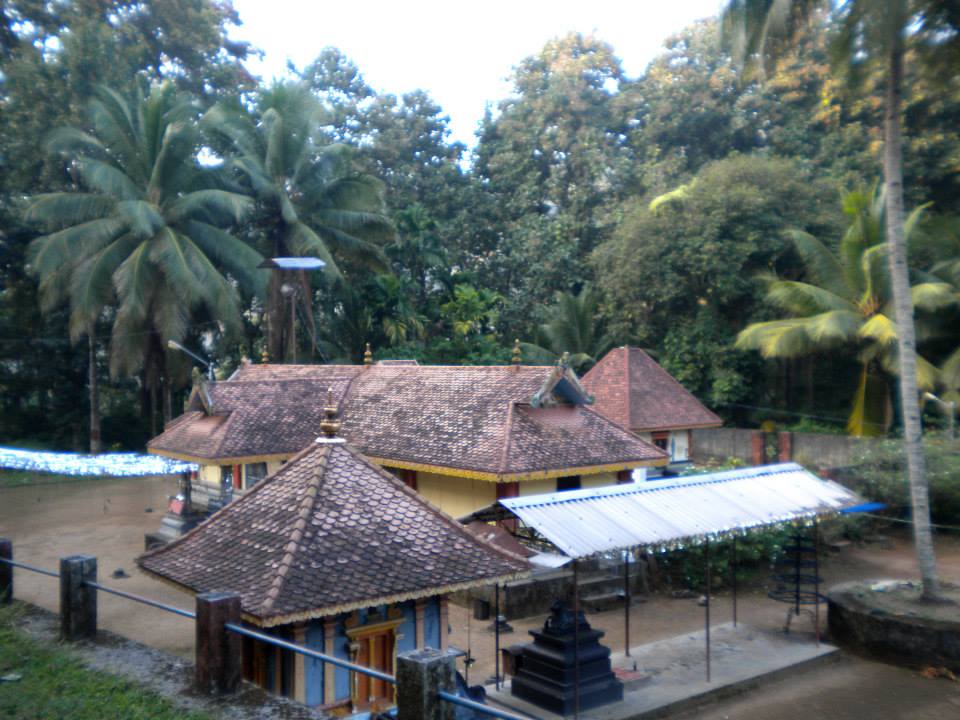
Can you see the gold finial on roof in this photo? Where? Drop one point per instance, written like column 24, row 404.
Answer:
column 265, row 356
column 330, row 425
column 368, row 356
column 517, row 354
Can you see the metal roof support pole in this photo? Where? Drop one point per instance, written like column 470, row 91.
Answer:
column 576, row 639
column 626, row 603
column 733, row 578
column 706, row 606
column 496, row 634
column 6, row 571
column 816, row 579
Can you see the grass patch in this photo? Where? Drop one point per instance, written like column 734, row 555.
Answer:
column 56, row 685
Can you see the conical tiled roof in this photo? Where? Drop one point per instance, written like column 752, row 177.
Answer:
column 327, row 533
column 631, row 389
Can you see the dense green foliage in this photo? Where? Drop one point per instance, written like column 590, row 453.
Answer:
column 596, row 209
column 54, row 684
column 880, row 470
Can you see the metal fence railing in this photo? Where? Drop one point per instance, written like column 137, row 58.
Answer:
column 79, row 619
column 479, row 707
column 307, row 652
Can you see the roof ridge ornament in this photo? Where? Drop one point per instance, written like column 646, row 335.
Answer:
column 517, row 354
column 265, row 356
column 368, row 356
column 330, row 425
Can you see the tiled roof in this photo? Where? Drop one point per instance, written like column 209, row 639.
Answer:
column 327, row 533
column 475, row 419
column 631, row 389
column 256, row 418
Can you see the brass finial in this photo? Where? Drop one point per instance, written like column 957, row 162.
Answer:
column 368, row 356
column 265, row 356
column 517, row 354
column 330, row 425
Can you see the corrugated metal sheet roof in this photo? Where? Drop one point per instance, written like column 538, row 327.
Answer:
column 664, row 513
column 293, row 263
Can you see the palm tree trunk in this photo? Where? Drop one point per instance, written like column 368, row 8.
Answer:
column 903, row 305
column 96, row 445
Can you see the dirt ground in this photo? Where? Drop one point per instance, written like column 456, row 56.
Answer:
column 109, row 518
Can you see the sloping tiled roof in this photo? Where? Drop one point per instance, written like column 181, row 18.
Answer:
column 631, row 389
column 327, row 533
column 252, row 419
column 473, row 419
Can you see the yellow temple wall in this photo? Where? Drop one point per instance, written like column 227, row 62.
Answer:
column 456, row 496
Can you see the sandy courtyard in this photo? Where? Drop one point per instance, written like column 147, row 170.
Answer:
column 108, row 519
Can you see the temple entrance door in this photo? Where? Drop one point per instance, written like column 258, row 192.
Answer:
column 375, row 651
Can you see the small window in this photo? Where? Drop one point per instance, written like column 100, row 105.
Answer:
column 571, row 482
column 226, row 475
column 254, row 473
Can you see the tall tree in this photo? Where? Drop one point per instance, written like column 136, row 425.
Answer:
column 311, row 201
column 872, row 32
column 845, row 300
column 141, row 233
column 573, row 326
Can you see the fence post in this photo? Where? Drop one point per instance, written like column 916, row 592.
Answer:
column 78, row 602
column 6, row 572
column 420, row 675
column 218, row 668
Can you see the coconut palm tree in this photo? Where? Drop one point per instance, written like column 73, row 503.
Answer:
column 573, row 327
column 142, row 236
column 311, row 201
column 847, row 302
column 877, row 32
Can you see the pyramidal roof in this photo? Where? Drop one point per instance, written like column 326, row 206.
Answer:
column 631, row 389
column 328, row 533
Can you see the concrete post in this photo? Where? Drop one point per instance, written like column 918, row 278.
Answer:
column 78, row 602
column 6, row 572
column 420, row 675
column 758, row 455
column 218, row 651
column 785, row 443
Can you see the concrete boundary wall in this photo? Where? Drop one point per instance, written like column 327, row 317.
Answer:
column 755, row 447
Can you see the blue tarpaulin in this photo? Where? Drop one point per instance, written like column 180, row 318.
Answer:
column 108, row 464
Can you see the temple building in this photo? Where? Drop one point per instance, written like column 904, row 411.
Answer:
column 333, row 552
column 632, row 390
column 461, row 436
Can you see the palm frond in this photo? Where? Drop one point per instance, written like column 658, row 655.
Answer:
column 215, row 207
column 804, row 299
column 107, row 179
column 236, row 256
column 776, row 338
column 60, row 210
column 91, row 284
column 821, row 265
column 879, row 328
column 49, row 253
column 142, row 218
column 933, row 296
column 73, row 143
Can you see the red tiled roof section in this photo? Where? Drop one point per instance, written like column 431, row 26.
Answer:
column 437, row 415
column 327, row 533
column 466, row 418
column 631, row 389
column 570, row 437
column 250, row 419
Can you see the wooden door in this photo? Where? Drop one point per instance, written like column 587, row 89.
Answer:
column 375, row 651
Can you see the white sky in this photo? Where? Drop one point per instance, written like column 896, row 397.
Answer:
column 459, row 52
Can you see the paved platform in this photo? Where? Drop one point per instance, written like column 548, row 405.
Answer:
column 669, row 676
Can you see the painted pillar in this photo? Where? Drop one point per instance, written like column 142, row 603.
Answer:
column 419, row 613
column 444, row 622
column 785, row 441
column 299, row 665
column 757, row 455
column 329, row 680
